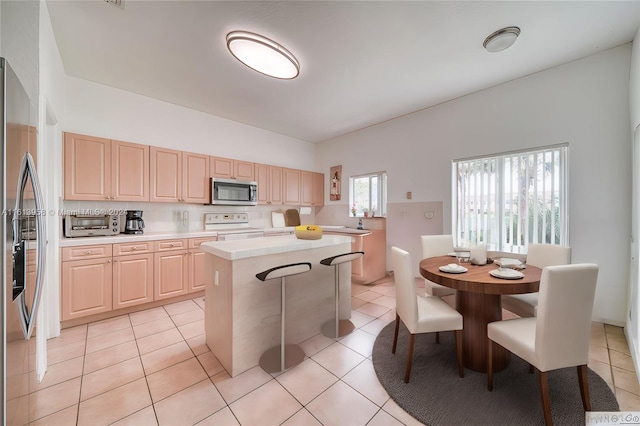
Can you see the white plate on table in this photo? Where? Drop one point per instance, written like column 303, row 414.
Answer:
column 506, row 273
column 452, row 268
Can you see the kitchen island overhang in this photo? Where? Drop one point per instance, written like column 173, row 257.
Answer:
column 242, row 313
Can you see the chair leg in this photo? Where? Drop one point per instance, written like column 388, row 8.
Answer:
column 395, row 336
column 437, row 337
column 584, row 387
column 544, row 395
column 490, row 344
column 407, row 373
column 459, row 352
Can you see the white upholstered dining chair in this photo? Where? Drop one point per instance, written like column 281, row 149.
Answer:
column 540, row 255
column 421, row 314
column 436, row 245
column 559, row 336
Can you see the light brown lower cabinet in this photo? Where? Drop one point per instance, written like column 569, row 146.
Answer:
column 86, row 287
column 198, row 278
column 106, row 277
column 132, row 280
column 171, row 274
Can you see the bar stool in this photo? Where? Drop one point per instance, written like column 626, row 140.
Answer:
column 338, row 327
column 281, row 357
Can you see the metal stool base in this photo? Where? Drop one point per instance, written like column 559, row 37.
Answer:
column 270, row 359
column 344, row 327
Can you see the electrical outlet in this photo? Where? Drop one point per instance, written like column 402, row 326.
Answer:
column 408, row 195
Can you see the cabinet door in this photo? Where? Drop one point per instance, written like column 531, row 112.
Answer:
column 198, row 278
column 357, row 268
column 130, row 171
column 166, row 175
column 221, row 167
column 132, row 280
column 275, row 185
column 262, row 178
column 306, row 180
column 86, row 287
column 195, row 178
column 291, row 184
column 87, row 167
column 243, row 170
column 171, row 274
column 318, row 189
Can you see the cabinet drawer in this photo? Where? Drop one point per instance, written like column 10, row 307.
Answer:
column 195, row 242
column 86, row 252
column 165, row 245
column 132, row 248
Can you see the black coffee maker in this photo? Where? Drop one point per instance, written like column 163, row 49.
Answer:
column 134, row 222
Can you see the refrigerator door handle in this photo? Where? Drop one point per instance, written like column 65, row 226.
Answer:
column 28, row 171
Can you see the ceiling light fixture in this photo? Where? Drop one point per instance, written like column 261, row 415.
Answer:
column 263, row 55
column 501, row 39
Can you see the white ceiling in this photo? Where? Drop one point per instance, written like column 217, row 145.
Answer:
column 362, row 62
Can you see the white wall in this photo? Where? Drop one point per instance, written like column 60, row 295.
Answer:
column 99, row 110
column 584, row 103
column 634, row 82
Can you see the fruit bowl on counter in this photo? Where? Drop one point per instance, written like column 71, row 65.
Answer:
column 308, row 232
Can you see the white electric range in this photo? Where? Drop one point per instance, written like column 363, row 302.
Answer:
column 231, row 226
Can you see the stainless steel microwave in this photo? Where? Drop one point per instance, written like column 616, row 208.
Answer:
column 232, row 192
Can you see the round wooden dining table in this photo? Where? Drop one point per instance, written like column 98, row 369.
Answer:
column 478, row 299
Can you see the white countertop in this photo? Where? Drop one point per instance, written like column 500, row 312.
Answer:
column 238, row 249
column 132, row 238
column 150, row 236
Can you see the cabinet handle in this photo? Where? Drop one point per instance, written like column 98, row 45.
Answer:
column 134, row 248
column 108, row 260
column 88, row 252
column 107, row 197
column 171, row 244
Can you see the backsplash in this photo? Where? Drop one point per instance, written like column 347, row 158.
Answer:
column 175, row 217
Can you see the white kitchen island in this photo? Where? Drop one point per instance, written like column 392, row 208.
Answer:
column 242, row 313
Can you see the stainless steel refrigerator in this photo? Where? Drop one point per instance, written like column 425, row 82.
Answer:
column 23, row 246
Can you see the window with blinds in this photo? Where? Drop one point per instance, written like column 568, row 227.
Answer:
column 510, row 200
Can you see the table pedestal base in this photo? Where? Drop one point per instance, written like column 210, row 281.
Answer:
column 478, row 310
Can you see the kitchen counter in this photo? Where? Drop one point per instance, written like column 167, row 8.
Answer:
column 242, row 313
column 131, row 238
column 238, row 249
column 151, row 236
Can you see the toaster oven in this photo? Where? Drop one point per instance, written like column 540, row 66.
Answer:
column 91, row 225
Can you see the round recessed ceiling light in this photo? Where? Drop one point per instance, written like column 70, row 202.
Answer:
column 501, row 39
column 263, row 55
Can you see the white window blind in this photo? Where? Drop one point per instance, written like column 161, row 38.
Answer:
column 510, row 200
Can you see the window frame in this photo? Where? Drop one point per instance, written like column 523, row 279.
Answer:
column 381, row 206
column 500, row 220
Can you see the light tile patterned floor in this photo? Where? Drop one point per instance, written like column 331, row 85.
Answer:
column 153, row 367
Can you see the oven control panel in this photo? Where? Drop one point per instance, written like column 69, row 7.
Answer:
column 225, row 218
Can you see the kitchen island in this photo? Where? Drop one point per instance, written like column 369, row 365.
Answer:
column 242, row 313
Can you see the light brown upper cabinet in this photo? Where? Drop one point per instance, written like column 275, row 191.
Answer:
column 291, row 185
column 318, row 189
column 312, row 188
column 195, row 178
column 166, row 175
column 179, row 177
column 269, row 180
column 231, row 169
column 101, row 169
